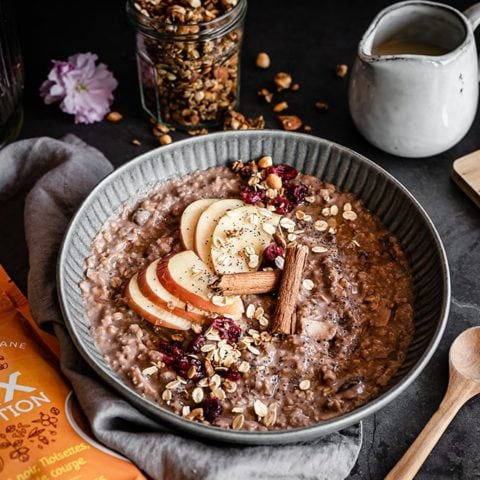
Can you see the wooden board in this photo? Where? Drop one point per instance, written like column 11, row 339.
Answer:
column 466, row 174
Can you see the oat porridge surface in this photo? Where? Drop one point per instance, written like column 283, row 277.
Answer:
column 354, row 318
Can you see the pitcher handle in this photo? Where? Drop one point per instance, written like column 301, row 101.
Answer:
column 473, row 15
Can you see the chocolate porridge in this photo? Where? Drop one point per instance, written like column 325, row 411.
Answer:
column 223, row 361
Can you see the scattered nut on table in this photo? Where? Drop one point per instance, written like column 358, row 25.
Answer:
column 263, row 60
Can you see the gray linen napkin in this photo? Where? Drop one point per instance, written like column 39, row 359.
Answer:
column 60, row 174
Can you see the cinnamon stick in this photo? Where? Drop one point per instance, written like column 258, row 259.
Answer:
column 249, row 283
column 295, row 260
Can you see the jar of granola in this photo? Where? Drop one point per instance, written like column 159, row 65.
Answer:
column 188, row 55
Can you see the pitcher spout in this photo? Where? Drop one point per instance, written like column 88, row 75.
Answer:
column 412, row 29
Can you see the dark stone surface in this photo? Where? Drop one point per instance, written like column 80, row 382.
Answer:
column 307, row 38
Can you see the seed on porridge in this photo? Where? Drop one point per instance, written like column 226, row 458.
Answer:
column 259, row 311
column 265, row 212
column 271, row 416
column 209, row 347
column 250, row 311
column 238, row 409
column 219, row 300
column 333, row 210
column 253, row 349
column 321, row 225
column 185, row 410
column 349, row 215
column 268, row 228
column 152, row 370
column 347, row 207
column 203, row 382
column 230, row 387
column 326, row 211
column 307, row 218
column 260, row 408
column 192, row 372
column 279, row 262
column 319, row 249
column 304, row 385
column 300, row 214
column 308, row 284
column 167, row 395
column 244, row 367
column 291, row 237
column 173, row 385
column 238, row 421
column 310, row 199
column 215, row 381
column 287, row 223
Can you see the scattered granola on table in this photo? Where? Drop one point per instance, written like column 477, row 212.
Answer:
column 237, row 121
column 182, row 296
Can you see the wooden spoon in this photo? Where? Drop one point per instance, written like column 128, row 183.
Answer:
column 463, row 384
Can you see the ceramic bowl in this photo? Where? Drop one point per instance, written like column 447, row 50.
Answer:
column 382, row 194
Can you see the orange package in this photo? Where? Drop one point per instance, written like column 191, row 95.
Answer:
column 43, row 434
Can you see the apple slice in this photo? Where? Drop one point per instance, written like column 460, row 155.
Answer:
column 206, row 225
column 188, row 222
column 188, row 278
column 240, row 238
column 150, row 287
column 151, row 312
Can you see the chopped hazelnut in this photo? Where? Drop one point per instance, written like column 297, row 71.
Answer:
column 290, row 122
column 265, row 162
column 282, row 80
column 165, row 139
column 267, row 95
column 280, row 107
column 273, row 181
column 136, row 142
column 322, row 106
column 341, row 70
column 295, row 87
column 307, row 128
column 263, row 60
column 114, row 117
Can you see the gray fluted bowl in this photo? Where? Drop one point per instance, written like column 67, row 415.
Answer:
column 382, row 194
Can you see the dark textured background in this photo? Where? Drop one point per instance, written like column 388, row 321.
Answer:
column 307, row 38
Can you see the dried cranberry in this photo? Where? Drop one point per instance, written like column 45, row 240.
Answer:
column 184, row 363
column 282, row 205
column 271, row 253
column 212, row 408
column 250, row 195
column 296, row 192
column 196, row 344
column 230, row 374
column 233, row 375
column 170, row 350
column 227, row 329
column 285, row 172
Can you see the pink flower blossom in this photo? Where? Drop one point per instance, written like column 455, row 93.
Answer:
column 84, row 89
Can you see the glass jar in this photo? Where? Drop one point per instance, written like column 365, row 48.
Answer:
column 189, row 73
column 11, row 77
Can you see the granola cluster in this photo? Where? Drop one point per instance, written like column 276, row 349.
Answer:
column 189, row 68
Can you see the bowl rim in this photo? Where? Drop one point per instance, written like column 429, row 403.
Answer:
column 219, row 434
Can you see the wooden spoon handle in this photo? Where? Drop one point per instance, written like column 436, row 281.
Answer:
column 457, row 394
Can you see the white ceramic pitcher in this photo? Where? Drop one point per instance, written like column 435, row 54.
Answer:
column 417, row 105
